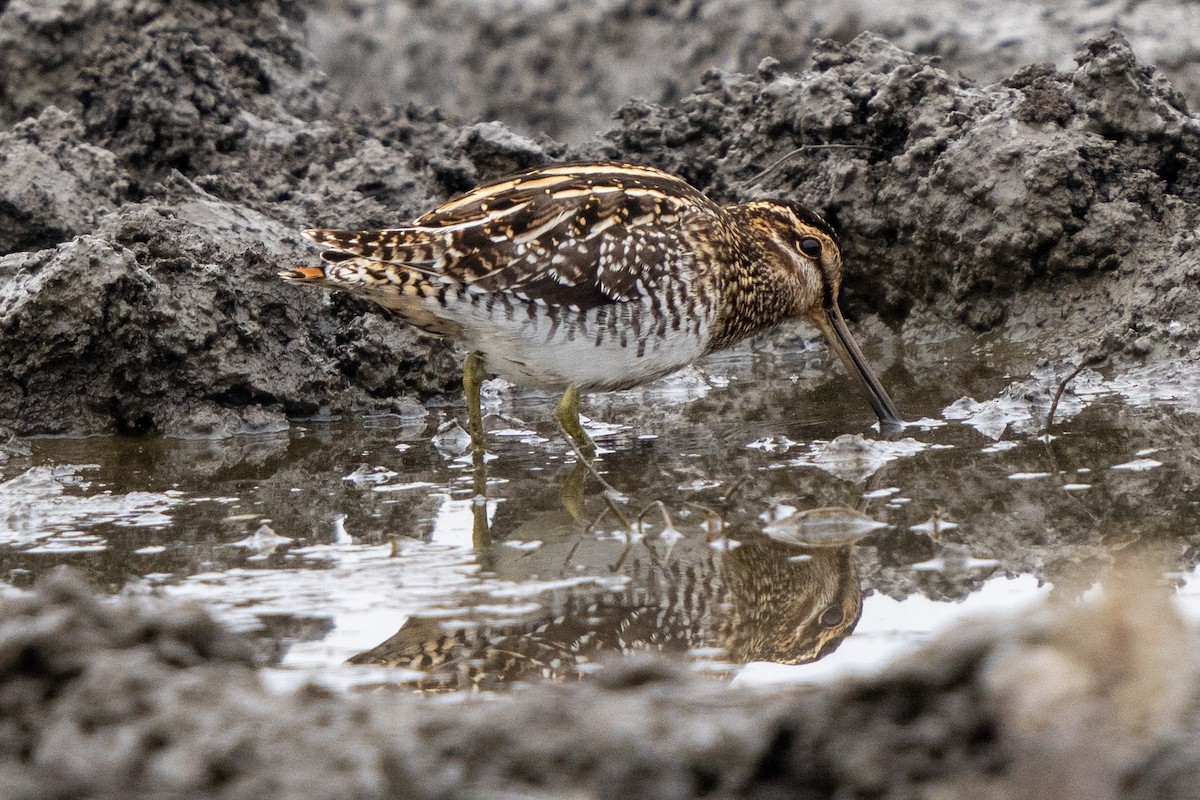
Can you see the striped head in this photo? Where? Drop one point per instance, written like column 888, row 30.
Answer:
column 808, row 244
column 811, row 259
column 785, row 610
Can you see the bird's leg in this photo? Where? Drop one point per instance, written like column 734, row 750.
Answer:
column 473, row 375
column 573, row 491
column 568, row 417
column 585, row 450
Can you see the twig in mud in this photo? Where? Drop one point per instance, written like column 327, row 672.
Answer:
column 733, row 490
column 709, row 516
column 574, row 547
column 610, row 493
column 616, row 512
column 1090, row 361
column 662, row 507
column 592, row 525
column 746, row 185
column 609, row 508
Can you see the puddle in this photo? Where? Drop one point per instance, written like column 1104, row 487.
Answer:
column 769, row 534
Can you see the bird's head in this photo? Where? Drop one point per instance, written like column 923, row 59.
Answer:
column 810, row 247
column 788, row 604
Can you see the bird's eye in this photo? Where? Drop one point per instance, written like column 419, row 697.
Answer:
column 810, row 247
column 831, row 616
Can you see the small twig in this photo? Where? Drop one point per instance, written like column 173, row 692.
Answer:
column 624, row 555
column 574, row 547
column 733, row 490
column 616, row 512
column 1089, row 361
column 662, row 507
column 592, row 525
column 709, row 516
column 610, row 492
column 609, row 508
column 793, row 153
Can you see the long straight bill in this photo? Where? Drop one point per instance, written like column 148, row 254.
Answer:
column 833, row 325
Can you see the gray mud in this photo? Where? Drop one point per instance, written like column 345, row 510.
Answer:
column 158, row 158
column 564, row 68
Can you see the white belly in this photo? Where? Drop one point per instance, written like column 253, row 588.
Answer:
column 612, row 353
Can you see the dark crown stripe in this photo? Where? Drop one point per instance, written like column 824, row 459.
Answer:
column 810, row 217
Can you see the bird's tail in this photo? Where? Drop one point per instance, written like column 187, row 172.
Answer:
column 410, row 247
column 304, row 275
column 372, row 260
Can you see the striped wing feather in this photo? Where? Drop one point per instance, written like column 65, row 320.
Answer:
column 568, row 235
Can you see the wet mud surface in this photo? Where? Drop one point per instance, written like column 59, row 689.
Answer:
column 277, row 487
column 112, row 699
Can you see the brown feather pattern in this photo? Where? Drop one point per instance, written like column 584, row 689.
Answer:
column 565, row 238
column 600, row 276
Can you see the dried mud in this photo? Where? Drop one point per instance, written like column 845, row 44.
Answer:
column 157, row 160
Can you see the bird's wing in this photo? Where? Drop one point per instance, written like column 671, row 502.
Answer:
column 568, row 235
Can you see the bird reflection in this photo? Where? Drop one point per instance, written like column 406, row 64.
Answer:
column 758, row 599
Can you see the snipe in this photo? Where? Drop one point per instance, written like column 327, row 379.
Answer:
column 596, row 277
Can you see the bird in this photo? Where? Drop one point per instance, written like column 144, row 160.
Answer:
column 597, row 276
column 763, row 600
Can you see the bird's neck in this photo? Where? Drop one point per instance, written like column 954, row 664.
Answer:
column 757, row 288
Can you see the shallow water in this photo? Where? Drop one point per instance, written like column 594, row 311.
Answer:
column 355, row 539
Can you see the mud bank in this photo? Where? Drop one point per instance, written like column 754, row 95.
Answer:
column 564, row 68
column 105, row 699
column 159, row 158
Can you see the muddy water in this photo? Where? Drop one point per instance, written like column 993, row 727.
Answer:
column 350, row 548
